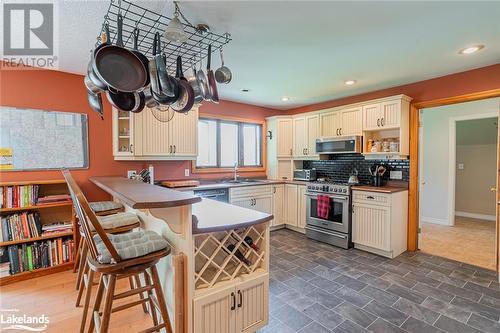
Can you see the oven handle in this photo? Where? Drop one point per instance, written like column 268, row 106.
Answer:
column 325, row 232
column 313, row 195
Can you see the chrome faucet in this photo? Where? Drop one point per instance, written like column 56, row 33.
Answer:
column 236, row 172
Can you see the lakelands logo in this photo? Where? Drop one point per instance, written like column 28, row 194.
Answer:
column 13, row 319
column 29, row 31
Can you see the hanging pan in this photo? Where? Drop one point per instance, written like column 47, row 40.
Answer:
column 140, row 55
column 120, row 69
column 212, row 85
column 186, row 94
column 223, row 74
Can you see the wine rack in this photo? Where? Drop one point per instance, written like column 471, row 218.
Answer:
column 219, row 255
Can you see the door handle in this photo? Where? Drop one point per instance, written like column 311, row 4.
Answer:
column 175, row 149
column 340, row 131
column 233, row 301
column 240, row 298
column 378, row 122
column 170, row 149
column 291, row 151
column 493, row 189
column 303, row 151
column 382, row 122
column 370, row 197
column 131, row 148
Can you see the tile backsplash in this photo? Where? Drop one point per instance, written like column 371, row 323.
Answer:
column 341, row 166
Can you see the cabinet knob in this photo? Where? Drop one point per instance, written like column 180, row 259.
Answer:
column 131, row 148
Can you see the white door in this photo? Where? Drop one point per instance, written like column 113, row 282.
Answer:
column 213, row 314
column 252, row 308
column 183, row 134
column 285, row 137
column 278, row 198
column 291, row 208
column 155, row 135
column 351, row 121
column 263, row 204
column 371, row 226
column 330, row 124
column 285, row 169
column 299, row 137
column 390, row 113
column 301, row 197
column 123, row 133
column 312, row 134
column 371, row 116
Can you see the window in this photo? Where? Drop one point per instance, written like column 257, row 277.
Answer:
column 222, row 144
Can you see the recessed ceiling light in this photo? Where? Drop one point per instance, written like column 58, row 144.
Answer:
column 471, row 49
column 285, row 99
column 244, row 90
column 349, row 82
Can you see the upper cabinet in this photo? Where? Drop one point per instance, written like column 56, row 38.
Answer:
column 341, row 122
column 284, row 137
column 140, row 136
column 383, row 115
column 305, row 133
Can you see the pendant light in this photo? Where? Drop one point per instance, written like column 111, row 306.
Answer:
column 174, row 31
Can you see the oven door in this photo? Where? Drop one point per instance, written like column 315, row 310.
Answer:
column 338, row 219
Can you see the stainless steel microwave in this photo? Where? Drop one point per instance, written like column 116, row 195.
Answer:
column 340, row 145
column 304, row 174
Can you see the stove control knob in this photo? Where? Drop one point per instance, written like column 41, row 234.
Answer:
column 344, row 190
column 335, row 190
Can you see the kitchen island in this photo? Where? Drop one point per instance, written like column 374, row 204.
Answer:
column 217, row 278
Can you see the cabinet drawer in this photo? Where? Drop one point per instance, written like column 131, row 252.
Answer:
column 374, row 198
column 250, row 191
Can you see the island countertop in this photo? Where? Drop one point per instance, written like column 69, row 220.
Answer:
column 139, row 195
column 212, row 215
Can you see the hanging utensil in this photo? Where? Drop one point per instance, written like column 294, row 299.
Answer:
column 95, row 102
column 163, row 113
column 120, row 69
column 130, row 102
column 94, row 79
column 203, row 82
column 193, row 82
column 161, row 87
column 223, row 74
column 186, row 93
column 140, row 55
column 212, row 85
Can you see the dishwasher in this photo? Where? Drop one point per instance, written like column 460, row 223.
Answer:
column 219, row 194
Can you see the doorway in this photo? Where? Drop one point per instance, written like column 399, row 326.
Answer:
column 457, row 157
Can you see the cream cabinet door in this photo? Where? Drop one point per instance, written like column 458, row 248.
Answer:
column 390, row 114
column 351, row 120
column 371, row 116
column 213, row 314
column 123, row 133
column 312, row 124
column 278, row 198
column 285, row 169
column 299, row 137
column 291, row 204
column 246, row 202
column 371, row 226
column 155, row 135
column 183, row 134
column 330, row 124
column 285, row 138
column 301, row 215
column 252, row 309
column 263, row 204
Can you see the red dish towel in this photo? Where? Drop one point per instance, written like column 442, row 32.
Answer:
column 323, row 207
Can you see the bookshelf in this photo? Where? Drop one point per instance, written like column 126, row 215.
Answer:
column 48, row 213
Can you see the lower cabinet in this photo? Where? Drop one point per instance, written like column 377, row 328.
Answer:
column 239, row 308
column 278, row 201
column 301, row 212
column 379, row 222
column 291, row 207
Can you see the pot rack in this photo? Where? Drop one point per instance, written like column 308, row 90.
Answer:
column 193, row 51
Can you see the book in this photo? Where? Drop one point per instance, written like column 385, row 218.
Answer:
column 22, row 226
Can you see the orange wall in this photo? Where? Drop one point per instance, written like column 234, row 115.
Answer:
column 481, row 79
column 58, row 91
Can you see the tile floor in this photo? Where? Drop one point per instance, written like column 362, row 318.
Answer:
column 316, row 288
column 469, row 240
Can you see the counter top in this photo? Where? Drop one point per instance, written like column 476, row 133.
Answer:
column 211, row 216
column 217, row 185
column 139, row 195
column 380, row 189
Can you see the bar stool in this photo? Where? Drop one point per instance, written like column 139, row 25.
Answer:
column 120, row 256
column 100, row 208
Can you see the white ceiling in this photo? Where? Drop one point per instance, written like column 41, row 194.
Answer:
column 305, row 50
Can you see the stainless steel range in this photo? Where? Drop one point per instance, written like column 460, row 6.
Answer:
column 336, row 229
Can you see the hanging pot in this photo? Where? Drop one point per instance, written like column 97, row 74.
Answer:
column 223, row 74
column 193, row 82
column 140, row 55
column 186, row 93
column 212, row 85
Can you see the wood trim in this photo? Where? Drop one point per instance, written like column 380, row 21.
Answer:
column 35, row 273
column 262, row 168
column 413, row 218
column 458, row 99
column 34, row 182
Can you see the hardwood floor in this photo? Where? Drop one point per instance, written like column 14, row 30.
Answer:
column 55, row 295
column 471, row 241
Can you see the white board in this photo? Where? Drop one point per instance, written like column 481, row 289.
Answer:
column 42, row 139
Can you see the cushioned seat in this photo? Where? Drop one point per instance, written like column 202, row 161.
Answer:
column 130, row 245
column 117, row 220
column 106, row 207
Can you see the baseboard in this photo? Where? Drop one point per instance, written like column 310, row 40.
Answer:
column 294, row 228
column 486, row 217
column 435, row 221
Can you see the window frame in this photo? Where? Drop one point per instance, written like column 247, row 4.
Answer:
column 240, row 122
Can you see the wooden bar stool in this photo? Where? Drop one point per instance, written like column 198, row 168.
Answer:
column 100, row 208
column 126, row 255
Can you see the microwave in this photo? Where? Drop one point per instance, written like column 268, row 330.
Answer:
column 304, row 174
column 340, row 145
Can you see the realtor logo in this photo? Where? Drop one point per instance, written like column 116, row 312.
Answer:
column 29, row 29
